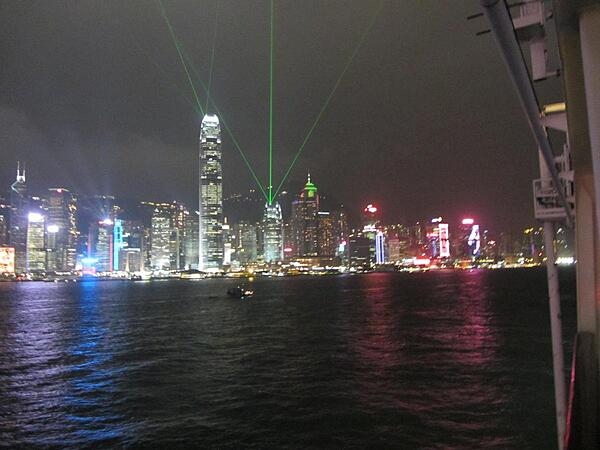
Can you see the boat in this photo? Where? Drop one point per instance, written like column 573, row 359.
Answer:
column 239, row 292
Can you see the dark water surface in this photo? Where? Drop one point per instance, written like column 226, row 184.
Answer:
column 452, row 359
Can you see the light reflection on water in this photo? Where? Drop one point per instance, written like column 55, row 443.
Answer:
column 436, row 360
column 62, row 379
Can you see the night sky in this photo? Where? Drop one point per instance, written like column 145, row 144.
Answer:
column 424, row 122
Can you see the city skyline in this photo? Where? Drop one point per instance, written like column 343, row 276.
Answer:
column 47, row 234
column 104, row 114
column 120, row 205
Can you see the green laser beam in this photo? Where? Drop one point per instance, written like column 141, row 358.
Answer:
column 174, row 39
column 328, row 99
column 212, row 55
column 271, row 109
column 223, row 121
column 181, row 52
column 174, row 86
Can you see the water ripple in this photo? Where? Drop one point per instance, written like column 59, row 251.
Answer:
column 434, row 360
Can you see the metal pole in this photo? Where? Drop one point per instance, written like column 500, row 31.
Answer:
column 558, row 362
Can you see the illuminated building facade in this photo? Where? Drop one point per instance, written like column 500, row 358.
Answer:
column 273, row 233
column 444, row 236
column 211, row 195
column 61, row 228
column 7, row 260
column 103, row 248
column 180, row 220
column 341, row 225
column 36, row 246
column 19, row 203
column 398, row 242
column 304, row 221
column 133, row 246
column 360, row 251
column 433, row 241
column 380, row 256
column 438, row 239
column 327, row 234
column 227, row 244
column 161, row 247
column 118, row 243
column 371, row 219
column 190, row 240
column 244, row 243
column 4, row 218
column 468, row 240
column 394, row 251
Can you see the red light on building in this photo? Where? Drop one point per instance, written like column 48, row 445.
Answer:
column 371, row 208
column 468, row 221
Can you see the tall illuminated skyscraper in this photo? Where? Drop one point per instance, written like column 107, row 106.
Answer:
column 162, row 249
column 35, row 249
column 273, row 233
column 61, row 228
column 190, row 240
column 19, row 204
column 304, row 221
column 103, row 231
column 211, row 195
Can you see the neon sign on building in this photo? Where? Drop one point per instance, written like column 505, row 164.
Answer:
column 474, row 241
column 379, row 248
column 7, row 260
column 444, row 240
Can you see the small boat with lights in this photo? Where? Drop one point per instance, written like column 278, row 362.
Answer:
column 239, row 292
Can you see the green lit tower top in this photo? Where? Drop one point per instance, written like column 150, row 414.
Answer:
column 304, row 221
column 310, row 191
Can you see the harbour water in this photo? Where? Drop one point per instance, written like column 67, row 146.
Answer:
column 444, row 359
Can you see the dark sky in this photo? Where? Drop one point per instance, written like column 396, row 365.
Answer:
column 424, row 123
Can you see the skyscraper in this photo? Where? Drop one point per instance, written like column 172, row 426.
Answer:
column 19, row 203
column 327, row 234
column 190, row 240
column 273, row 233
column 161, row 251
column 244, row 242
column 61, row 227
column 4, row 217
column 103, row 232
column 304, row 222
column 131, row 254
column 35, row 248
column 211, row 195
